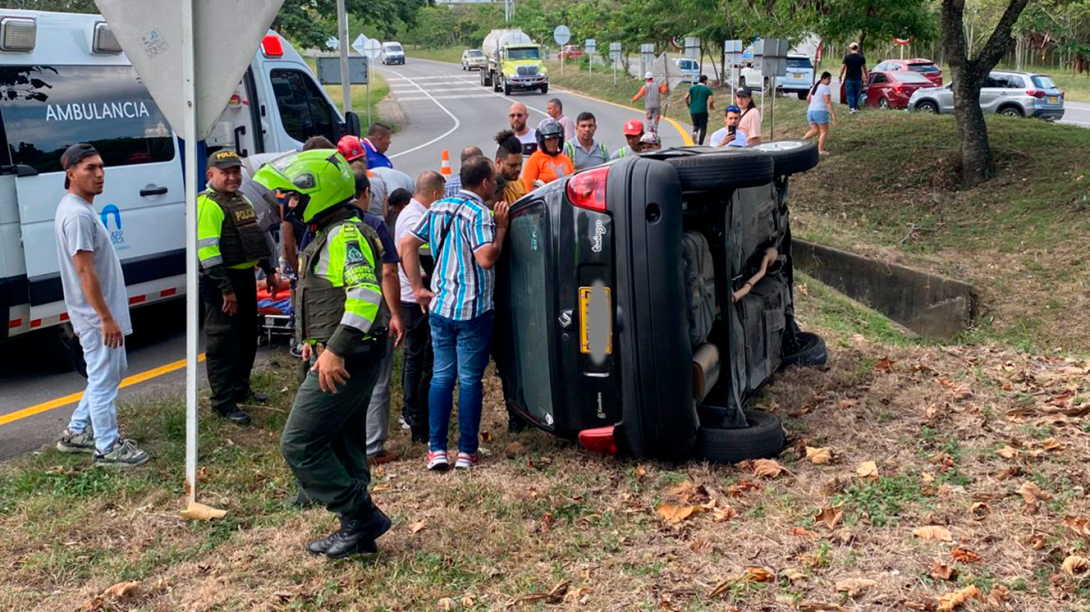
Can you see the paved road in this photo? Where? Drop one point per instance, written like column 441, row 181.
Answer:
column 446, row 109
column 1077, row 113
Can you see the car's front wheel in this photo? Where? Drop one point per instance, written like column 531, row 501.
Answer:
column 791, row 156
column 927, row 106
column 762, row 438
column 722, row 169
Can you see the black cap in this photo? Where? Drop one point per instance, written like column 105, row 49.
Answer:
column 73, row 155
column 745, row 92
column 224, row 159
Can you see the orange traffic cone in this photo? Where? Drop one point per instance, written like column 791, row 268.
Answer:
column 444, row 166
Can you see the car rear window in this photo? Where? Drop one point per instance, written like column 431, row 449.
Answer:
column 799, row 62
column 530, row 310
column 46, row 109
column 923, row 67
column 1043, row 81
column 912, row 77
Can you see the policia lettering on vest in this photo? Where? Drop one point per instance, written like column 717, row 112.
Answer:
column 341, row 320
column 230, row 244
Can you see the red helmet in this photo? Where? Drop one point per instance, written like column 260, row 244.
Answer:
column 351, row 148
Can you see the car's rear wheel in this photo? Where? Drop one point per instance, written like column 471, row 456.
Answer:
column 883, row 103
column 928, row 106
column 802, row 95
column 1010, row 111
column 809, row 350
column 762, row 439
column 722, row 169
column 791, row 156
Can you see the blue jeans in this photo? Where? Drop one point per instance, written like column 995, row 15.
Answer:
column 853, row 89
column 105, row 368
column 461, row 349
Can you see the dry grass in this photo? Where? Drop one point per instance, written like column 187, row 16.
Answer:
column 931, row 418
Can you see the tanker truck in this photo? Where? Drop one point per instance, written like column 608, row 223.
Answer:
column 514, row 63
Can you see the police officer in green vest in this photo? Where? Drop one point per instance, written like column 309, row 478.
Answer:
column 230, row 244
column 341, row 318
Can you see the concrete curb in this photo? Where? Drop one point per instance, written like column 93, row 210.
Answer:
column 933, row 306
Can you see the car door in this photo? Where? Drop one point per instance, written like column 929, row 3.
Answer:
column 876, row 88
column 142, row 205
column 992, row 92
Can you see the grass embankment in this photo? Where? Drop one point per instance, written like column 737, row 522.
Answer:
column 955, row 434
column 379, row 90
column 440, row 54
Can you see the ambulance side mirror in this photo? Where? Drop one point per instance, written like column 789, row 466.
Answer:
column 352, row 124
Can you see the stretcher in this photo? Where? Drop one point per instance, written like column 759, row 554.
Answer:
column 275, row 317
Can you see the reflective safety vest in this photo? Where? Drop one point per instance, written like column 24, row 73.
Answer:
column 227, row 231
column 339, row 282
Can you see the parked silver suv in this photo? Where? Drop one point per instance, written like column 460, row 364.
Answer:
column 1015, row 94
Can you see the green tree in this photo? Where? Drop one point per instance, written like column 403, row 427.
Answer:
column 842, row 20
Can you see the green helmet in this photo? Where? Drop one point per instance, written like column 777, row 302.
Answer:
column 322, row 176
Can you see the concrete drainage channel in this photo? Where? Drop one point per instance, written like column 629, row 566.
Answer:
column 930, row 305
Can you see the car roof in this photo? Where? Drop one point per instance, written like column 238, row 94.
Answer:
column 1016, row 73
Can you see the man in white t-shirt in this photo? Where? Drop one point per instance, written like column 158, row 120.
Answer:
column 98, row 307
column 518, row 115
column 417, row 369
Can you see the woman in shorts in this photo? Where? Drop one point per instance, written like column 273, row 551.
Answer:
column 820, row 112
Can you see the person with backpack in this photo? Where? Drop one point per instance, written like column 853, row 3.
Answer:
column 584, row 151
column 820, row 112
column 466, row 240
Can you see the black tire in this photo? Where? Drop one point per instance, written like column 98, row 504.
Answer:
column 506, row 87
column 791, row 156
column 802, row 95
column 716, row 170
column 763, row 439
column 64, row 352
column 544, row 89
column 812, row 351
column 1011, row 111
column 883, row 103
column 927, row 106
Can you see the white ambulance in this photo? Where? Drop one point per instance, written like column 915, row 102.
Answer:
column 64, row 79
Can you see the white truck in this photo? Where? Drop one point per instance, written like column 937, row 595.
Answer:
column 515, row 62
column 63, row 80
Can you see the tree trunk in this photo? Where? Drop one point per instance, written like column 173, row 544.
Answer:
column 976, row 151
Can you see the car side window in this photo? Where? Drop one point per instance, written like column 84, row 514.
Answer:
column 995, row 81
column 878, row 78
column 1015, row 82
column 303, row 109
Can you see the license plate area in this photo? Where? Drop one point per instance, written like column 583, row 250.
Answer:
column 596, row 322
column 1053, row 99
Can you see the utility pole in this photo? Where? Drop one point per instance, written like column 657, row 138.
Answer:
column 508, row 10
column 342, row 34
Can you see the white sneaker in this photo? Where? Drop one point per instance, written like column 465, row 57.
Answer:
column 437, row 461
column 404, row 425
column 466, row 461
column 123, row 454
column 70, row 442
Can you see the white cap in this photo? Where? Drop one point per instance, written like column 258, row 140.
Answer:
column 854, row 45
column 649, row 76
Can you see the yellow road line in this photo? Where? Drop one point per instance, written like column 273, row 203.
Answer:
column 685, row 137
column 135, row 379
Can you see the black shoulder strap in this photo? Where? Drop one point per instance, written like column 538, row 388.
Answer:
column 446, row 230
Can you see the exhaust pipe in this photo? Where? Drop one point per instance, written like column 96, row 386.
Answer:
column 705, row 371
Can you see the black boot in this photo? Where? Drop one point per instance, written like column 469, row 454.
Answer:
column 233, row 414
column 357, row 535
column 320, row 547
column 253, row 397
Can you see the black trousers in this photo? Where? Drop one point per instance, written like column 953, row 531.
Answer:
column 416, row 370
column 700, row 127
column 230, row 340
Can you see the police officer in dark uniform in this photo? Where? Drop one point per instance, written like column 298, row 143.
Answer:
column 230, row 244
column 341, row 320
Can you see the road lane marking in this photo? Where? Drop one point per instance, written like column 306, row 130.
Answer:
column 450, row 97
column 73, row 398
column 457, row 122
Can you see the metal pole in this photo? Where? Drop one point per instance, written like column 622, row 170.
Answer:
column 342, row 33
column 590, row 63
column 189, row 134
column 772, row 129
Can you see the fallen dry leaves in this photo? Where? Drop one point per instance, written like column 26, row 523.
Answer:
column 854, row 586
column 1033, row 495
column 1007, row 452
column 673, row 514
column 418, row 526
column 964, row 555
column 768, row 468
column 819, row 456
column 793, row 574
column 942, row 571
column 199, row 512
column 979, row 511
column 950, row 601
column 116, row 591
column 1080, row 525
column 1075, row 565
column 830, row 516
column 933, row 532
column 867, row 469
column 447, row 604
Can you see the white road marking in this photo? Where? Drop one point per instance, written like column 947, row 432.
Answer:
column 435, row 90
column 441, row 97
column 457, row 122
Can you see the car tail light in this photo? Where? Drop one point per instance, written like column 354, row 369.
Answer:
column 588, row 189
column 599, row 440
column 271, row 46
column 1036, row 93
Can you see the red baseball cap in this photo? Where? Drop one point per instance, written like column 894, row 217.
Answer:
column 633, row 127
column 350, row 147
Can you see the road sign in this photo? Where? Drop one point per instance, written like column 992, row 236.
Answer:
column 615, row 51
column 371, row 48
column 329, row 70
column 590, row 45
column 332, row 43
column 358, row 44
column 732, row 50
column 692, row 47
column 562, row 35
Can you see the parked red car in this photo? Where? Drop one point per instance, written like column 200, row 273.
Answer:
column 890, row 89
column 571, row 52
column 922, row 66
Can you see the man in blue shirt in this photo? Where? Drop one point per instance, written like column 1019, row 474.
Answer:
column 465, row 241
column 376, row 144
column 730, row 135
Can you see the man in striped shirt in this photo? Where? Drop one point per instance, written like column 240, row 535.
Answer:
column 466, row 243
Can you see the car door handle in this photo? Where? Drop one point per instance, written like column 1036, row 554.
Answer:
column 239, row 132
column 152, row 190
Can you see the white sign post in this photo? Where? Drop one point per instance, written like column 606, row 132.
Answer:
column 615, row 55
column 692, row 51
column 210, row 44
column 561, row 35
column 732, row 50
column 773, row 52
column 590, row 45
column 370, row 49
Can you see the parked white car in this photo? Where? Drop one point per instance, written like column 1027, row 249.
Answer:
column 473, row 59
column 798, row 80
